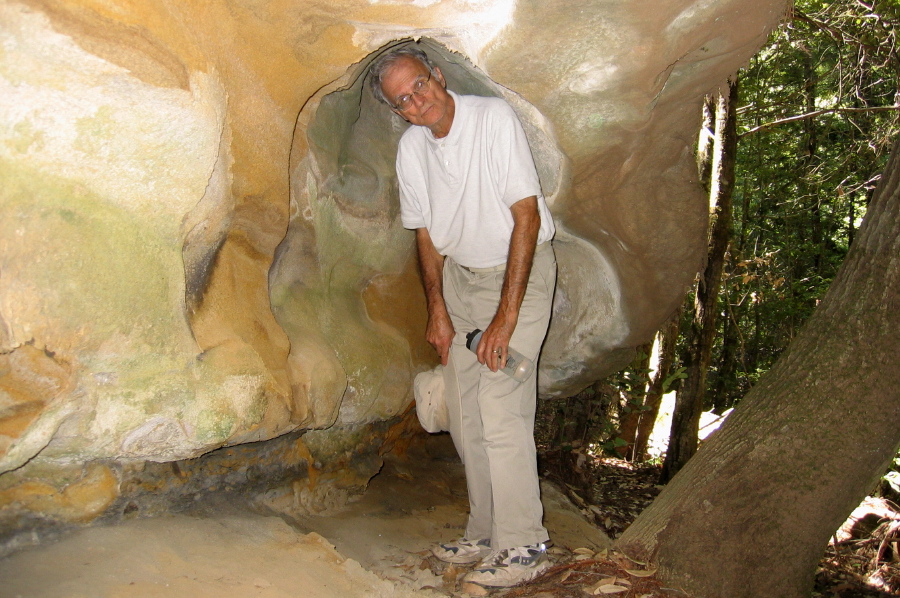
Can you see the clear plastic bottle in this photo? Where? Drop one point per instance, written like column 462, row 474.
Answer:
column 518, row 367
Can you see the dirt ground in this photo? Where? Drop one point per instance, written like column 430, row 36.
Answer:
column 376, row 546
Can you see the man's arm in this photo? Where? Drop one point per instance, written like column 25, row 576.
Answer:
column 439, row 331
column 527, row 224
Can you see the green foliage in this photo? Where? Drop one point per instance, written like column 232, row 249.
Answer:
column 802, row 184
column 588, row 421
column 679, row 374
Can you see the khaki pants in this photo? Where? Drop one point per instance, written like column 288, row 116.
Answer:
column 495, row 437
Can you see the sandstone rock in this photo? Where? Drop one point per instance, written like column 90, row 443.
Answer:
column 199, row 233
column 79, row 502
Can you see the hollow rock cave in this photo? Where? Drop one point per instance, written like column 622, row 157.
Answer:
column 200, row 246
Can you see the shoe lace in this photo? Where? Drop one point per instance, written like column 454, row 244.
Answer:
column 513, row 555
column 496, row 557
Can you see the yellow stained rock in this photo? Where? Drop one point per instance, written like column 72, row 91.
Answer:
column 79, row 502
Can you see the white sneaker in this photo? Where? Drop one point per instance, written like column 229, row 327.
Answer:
column 462, row 551
column 509, row 567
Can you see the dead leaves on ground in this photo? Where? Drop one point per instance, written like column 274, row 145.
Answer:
column 585, row 572
column 579, row 573
column 863, row 559
column 610, row 492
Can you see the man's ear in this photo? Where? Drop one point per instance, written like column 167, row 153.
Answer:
column 440, row 76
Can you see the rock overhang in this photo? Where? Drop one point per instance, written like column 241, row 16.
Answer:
column 200, row 237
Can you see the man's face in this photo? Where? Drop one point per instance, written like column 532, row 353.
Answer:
column 428, row 109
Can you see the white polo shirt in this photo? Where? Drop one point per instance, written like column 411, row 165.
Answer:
column 461, row 187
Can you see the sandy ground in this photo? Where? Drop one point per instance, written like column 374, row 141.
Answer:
column 376, row 546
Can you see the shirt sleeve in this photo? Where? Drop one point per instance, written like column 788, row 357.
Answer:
column 512, row 163
column 408, row 172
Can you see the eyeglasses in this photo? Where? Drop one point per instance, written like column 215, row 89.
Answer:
column 419, row 89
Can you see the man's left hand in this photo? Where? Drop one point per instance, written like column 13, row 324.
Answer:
column 494, row 345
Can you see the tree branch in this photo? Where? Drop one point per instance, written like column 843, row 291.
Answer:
column 813, row 115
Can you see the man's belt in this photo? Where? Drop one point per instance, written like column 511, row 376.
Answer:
column 499, row 268
column 542, row 247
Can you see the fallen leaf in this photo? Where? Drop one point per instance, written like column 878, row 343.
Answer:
column 610, row 589
column 635, row 561
column 582, row 557
column 473, row 589
column 583, row 551
column 450, row 574
column 574, row 495
column 606, row 582
column 636, row 573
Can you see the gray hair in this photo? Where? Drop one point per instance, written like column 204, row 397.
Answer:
column 384, row 62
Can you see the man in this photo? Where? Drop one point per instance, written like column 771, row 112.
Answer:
column 469, row 188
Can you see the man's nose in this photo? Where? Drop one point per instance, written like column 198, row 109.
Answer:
column 417, row 99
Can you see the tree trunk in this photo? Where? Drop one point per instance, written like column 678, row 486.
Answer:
column 689, row 400
column 668, row 340
column 750, row 515
column 706, row 143
column 637, row 404
column 722, row 392
column 810, row 93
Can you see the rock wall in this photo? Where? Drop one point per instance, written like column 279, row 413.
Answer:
column 199, row 235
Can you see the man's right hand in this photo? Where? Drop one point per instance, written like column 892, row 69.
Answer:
column 439, row 333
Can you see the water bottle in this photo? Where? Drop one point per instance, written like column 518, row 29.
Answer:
column 518, row 367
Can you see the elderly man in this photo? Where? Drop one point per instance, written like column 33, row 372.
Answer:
column 469, row 188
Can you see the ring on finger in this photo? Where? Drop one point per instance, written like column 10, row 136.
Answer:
column 497, row 351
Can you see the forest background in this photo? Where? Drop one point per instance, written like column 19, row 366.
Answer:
column 814, row 117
